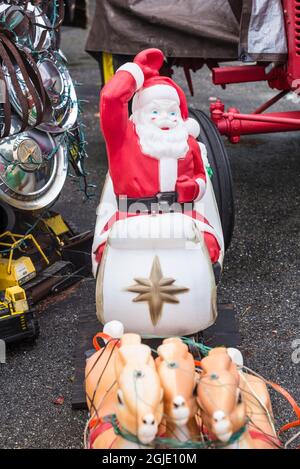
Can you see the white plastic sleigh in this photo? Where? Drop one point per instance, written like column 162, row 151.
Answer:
column 156, row 275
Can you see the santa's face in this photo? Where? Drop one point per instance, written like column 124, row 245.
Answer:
column 163, row 113
column 161, row 129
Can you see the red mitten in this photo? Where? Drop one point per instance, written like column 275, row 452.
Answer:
column 187, row 189
column 212, row 246
column 150, row 61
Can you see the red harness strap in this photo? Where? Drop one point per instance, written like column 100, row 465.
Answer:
column 292, row 402
column 257, row 435
column 104, row 336
column 101, row 428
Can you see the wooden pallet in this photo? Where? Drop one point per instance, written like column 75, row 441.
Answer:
column 224, row 332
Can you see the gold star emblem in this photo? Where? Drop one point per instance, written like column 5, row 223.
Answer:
column 156, row 290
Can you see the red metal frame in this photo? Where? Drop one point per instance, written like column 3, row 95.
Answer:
column 284, row 78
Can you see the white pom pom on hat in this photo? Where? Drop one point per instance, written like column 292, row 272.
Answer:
column 193, row 127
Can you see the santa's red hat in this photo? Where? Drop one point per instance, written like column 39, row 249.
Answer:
column 150, row 85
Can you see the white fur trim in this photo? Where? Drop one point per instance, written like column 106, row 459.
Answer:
column 146, row 95
column 168, row 169
column 202, row 187
column 209, row 229
column 193, row 127
column 203, row 150
column 135, row 71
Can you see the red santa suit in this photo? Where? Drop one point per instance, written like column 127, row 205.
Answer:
column 138, row 175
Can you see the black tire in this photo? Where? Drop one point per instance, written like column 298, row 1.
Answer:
column 34, row 327
column 7, row 217
column 222, row 178
column 69, row 12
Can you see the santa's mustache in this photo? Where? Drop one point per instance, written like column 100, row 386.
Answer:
column 164, row 124
column 159, row 143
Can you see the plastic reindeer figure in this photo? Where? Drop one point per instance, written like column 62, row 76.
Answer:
column 232, row 404
column 101, row 390
column 122, row 380
column 176, row 370
column 259, row 411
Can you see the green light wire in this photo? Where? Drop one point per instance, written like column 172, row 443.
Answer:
column 188, row 341
column 203, row 348
column 210, row 171
column 171, row 442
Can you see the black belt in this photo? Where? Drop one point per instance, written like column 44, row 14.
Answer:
column 163, row 202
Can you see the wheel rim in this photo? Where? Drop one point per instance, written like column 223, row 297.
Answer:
column 35, row 182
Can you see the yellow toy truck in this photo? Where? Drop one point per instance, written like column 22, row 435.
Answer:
column 17, row 320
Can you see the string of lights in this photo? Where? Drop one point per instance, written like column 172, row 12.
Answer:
column 39, row 96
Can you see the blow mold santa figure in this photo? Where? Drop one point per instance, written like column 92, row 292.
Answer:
column 153, row 155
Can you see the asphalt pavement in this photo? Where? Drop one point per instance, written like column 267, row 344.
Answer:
column 261, row 274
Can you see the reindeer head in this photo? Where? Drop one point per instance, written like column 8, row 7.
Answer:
column 219, row 397
column 139, row 395
column 176, row 369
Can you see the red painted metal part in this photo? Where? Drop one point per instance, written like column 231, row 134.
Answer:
column 285, row 77
column 234, row 124
column 290, row 119
column 238, row 74
column 291, row 10
column 270, row 103
column 276, row 76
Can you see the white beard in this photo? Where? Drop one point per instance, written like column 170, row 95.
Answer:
column 159, row 143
